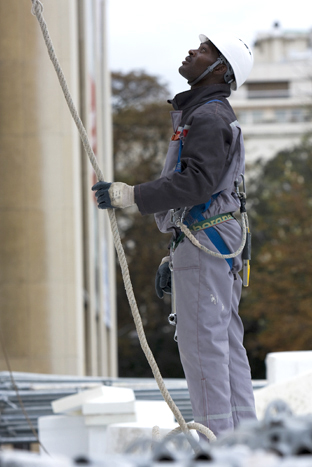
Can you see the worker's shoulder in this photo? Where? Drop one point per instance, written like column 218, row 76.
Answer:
column 218, row 112
column 217, row 109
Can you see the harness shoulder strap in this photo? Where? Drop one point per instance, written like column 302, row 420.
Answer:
column 214, row 100
column 195, row 215
column 196, row 212
column 178, row 165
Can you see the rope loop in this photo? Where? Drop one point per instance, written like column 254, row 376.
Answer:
column 196, row 243
column 194, row 426
column 36, row 4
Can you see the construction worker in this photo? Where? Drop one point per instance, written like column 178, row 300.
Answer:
column 204, row 160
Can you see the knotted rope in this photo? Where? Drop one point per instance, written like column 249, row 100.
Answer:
column 37, row 10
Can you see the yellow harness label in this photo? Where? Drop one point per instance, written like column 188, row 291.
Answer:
column 210, row 223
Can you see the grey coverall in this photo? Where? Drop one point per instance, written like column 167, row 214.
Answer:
column 207, row 290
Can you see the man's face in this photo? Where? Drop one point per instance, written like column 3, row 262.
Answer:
column 198, row 61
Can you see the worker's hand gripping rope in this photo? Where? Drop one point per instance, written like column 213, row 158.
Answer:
column 113, row 195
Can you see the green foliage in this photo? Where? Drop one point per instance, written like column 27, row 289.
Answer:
column 142, row 129
column 135, row 90
column 277, row 308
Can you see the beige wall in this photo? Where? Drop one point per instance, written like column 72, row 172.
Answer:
column 41, row 290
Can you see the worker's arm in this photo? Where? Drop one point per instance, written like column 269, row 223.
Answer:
column 203, row 161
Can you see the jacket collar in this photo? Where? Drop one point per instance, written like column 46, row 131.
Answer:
column 199, row 96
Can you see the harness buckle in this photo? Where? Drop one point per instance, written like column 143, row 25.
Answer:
column 177, row 215
column 241, row 194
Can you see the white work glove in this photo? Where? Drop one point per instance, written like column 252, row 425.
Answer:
column 113, row 195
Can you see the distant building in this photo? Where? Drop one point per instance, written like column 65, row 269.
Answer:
column 274, row 106
column 57, row 275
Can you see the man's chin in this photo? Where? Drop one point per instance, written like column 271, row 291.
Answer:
column 182, row 71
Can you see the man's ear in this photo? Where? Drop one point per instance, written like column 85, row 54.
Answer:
column 220, row 69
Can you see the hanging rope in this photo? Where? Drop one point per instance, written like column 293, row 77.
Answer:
column 37, row 10
column 195, row 242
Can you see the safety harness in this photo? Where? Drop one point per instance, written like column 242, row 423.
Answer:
column 205, row 224
column 195, row 220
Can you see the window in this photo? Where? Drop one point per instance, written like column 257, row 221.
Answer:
column 242, row 117
column 257, row 116
column 297, row 115
column 263, row 90
column 281, row 116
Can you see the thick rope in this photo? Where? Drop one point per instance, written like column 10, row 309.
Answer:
column 192, row 426
column 37, row 10
column 195, row 242
column 156, row 433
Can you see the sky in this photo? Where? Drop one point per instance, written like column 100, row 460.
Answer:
column 155, row 36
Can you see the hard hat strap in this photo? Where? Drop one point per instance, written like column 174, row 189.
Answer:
column 208, row 70
column 228, row 76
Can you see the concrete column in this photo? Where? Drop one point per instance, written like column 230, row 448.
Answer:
column 99, row 252
column 41, row 292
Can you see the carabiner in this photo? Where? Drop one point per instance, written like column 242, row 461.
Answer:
column 177, row 215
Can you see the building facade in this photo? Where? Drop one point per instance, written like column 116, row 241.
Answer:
column 274, row 106
column 57, row 276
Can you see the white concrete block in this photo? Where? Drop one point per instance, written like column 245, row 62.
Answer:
column 64, row 435
column 281, row 366
column 149, row 413
column 114, row 401
column 296, row 392
column 108, row 419
column 74, row 435
column 115, row 397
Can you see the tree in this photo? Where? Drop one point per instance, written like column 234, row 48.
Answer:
column 277, row 308
column 142, row 129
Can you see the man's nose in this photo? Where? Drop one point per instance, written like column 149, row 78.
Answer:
column 192, row 52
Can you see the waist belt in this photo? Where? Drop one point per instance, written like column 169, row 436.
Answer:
column 212, row 234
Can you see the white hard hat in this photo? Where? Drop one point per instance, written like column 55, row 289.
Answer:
column 236, row 52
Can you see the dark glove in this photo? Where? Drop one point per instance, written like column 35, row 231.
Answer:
column 102, row 195
column 163, row 278
column 113, row 195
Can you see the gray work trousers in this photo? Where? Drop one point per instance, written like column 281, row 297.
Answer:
column 210, row 332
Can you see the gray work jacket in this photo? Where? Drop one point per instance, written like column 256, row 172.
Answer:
column 211, row 160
